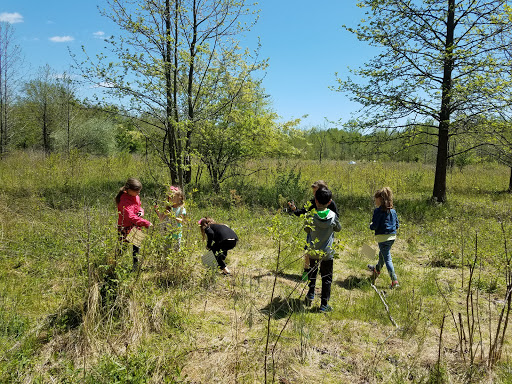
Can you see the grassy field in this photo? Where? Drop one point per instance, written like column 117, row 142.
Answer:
column 67, row 317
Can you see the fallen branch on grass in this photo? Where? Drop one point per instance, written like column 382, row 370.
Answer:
column 385, row 306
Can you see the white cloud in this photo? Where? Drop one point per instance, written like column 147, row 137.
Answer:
column 99, row 34
column 61, row 39
column 11, row 18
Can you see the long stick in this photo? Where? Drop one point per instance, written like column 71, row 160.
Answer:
column 439, row 351
column 385, row 305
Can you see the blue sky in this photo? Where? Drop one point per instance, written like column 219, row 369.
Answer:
column 305, row 44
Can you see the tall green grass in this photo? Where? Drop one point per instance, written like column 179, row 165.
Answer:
column 67, row 316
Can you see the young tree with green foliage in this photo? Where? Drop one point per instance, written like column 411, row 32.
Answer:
column 440, row 60
column 96, row 135
column 67, row 101
column 170, row 62
column 320, row 139
column 247, row 130
column 40, row 103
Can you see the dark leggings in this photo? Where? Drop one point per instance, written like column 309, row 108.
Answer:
column 220, row 251
column 326, row 274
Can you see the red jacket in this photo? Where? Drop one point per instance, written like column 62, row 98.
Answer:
column 130, row 212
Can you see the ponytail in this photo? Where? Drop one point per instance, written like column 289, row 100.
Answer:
column 386, row 198
column 131, row 183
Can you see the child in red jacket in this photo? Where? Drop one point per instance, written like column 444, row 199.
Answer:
column 130, row 213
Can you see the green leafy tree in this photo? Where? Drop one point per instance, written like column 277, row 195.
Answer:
column 319, row 138
column 68, row 105
column 168, row 65
column 247, row 130
column 96, row 135
column 440, row 61
column 41, row 110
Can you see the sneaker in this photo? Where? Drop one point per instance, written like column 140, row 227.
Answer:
column 226, row 271
column 374, row 271
column 309, row 298
column 394, row 284
column 325, row 308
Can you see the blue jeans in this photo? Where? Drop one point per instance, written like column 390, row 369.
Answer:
column 385, row 258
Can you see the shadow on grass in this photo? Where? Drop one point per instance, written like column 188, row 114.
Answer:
column 353, row 282
column 290, row 276
column 66, row 319
column 281, row 308
column 287, row 276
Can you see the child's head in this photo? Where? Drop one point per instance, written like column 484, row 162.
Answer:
column 175, row 195
column 384, row 198
column 132, row 185
column 323, row 197
column 205, row 223
column 319, row 184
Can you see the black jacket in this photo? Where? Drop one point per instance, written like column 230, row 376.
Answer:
column 217, row 233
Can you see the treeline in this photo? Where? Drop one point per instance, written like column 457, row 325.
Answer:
column 47, row 115
column 417, row 145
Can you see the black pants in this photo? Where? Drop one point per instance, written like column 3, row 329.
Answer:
column 221, row 249
column 326, row 274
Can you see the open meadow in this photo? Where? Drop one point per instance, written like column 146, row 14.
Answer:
column 68, row 315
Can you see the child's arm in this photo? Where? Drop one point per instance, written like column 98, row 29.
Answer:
column 209, row 234
column 132, row 212
column 375, row 219
column 307, row 207
column 161, row 215
column 336, row 225
column 181, row 217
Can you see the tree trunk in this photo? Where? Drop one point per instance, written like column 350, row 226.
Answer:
column 439, row 193
column 187, row 171
column 170, row 92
